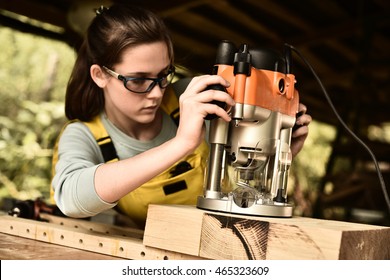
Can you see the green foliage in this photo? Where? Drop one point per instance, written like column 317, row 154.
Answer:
column 34, row 72
column 33, row 68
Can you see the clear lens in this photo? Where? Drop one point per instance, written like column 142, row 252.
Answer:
column 139, row 85
column 144, row 85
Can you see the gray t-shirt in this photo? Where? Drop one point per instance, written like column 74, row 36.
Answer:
column 80, row 155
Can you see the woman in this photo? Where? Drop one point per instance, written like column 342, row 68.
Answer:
column 119, row 79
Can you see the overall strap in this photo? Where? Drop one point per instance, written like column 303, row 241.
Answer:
column 170, row 105
column 103, row 139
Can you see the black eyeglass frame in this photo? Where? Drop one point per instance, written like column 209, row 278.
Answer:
column 155, row 81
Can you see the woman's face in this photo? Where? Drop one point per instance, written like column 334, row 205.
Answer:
column 124, row 107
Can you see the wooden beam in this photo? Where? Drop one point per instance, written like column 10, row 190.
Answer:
column 167, row 231
column 212, row 235
column 34, row 9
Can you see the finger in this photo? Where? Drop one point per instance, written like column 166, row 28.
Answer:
column 215, row 95
column 200, row 83
column 301, row 131
column 304, row 120
column 212, row 109
column 302, row 108
column 196, row 80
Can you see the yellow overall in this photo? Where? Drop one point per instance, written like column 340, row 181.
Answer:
column 182, row 183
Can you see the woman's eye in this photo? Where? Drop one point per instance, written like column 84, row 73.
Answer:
column 138, row 82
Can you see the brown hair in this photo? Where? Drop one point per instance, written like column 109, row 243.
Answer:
column 111, row 32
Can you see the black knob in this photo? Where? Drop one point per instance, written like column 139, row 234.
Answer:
column 219, row 103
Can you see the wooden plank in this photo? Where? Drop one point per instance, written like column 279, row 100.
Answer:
column 86, row 239
column 18, row 248
column 93, row 226
column 223, row 236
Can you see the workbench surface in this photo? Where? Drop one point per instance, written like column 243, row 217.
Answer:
column 185, row 232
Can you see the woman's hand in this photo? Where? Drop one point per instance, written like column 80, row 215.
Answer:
column 299, row 134
column 195, row 105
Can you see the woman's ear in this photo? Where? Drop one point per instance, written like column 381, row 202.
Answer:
column 98, row 76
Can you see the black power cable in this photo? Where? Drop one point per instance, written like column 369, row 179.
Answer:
column 381, row 180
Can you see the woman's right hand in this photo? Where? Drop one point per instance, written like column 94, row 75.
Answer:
column 195, row 105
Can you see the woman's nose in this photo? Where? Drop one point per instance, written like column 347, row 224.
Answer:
column 156, row 92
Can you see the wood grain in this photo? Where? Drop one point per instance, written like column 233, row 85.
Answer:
column 215, row 235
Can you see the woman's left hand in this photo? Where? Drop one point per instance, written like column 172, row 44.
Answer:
column 301, row 130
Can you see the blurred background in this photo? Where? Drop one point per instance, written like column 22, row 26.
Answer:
column 347, row 42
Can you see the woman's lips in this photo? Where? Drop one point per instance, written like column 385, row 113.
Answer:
column 150, row 109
